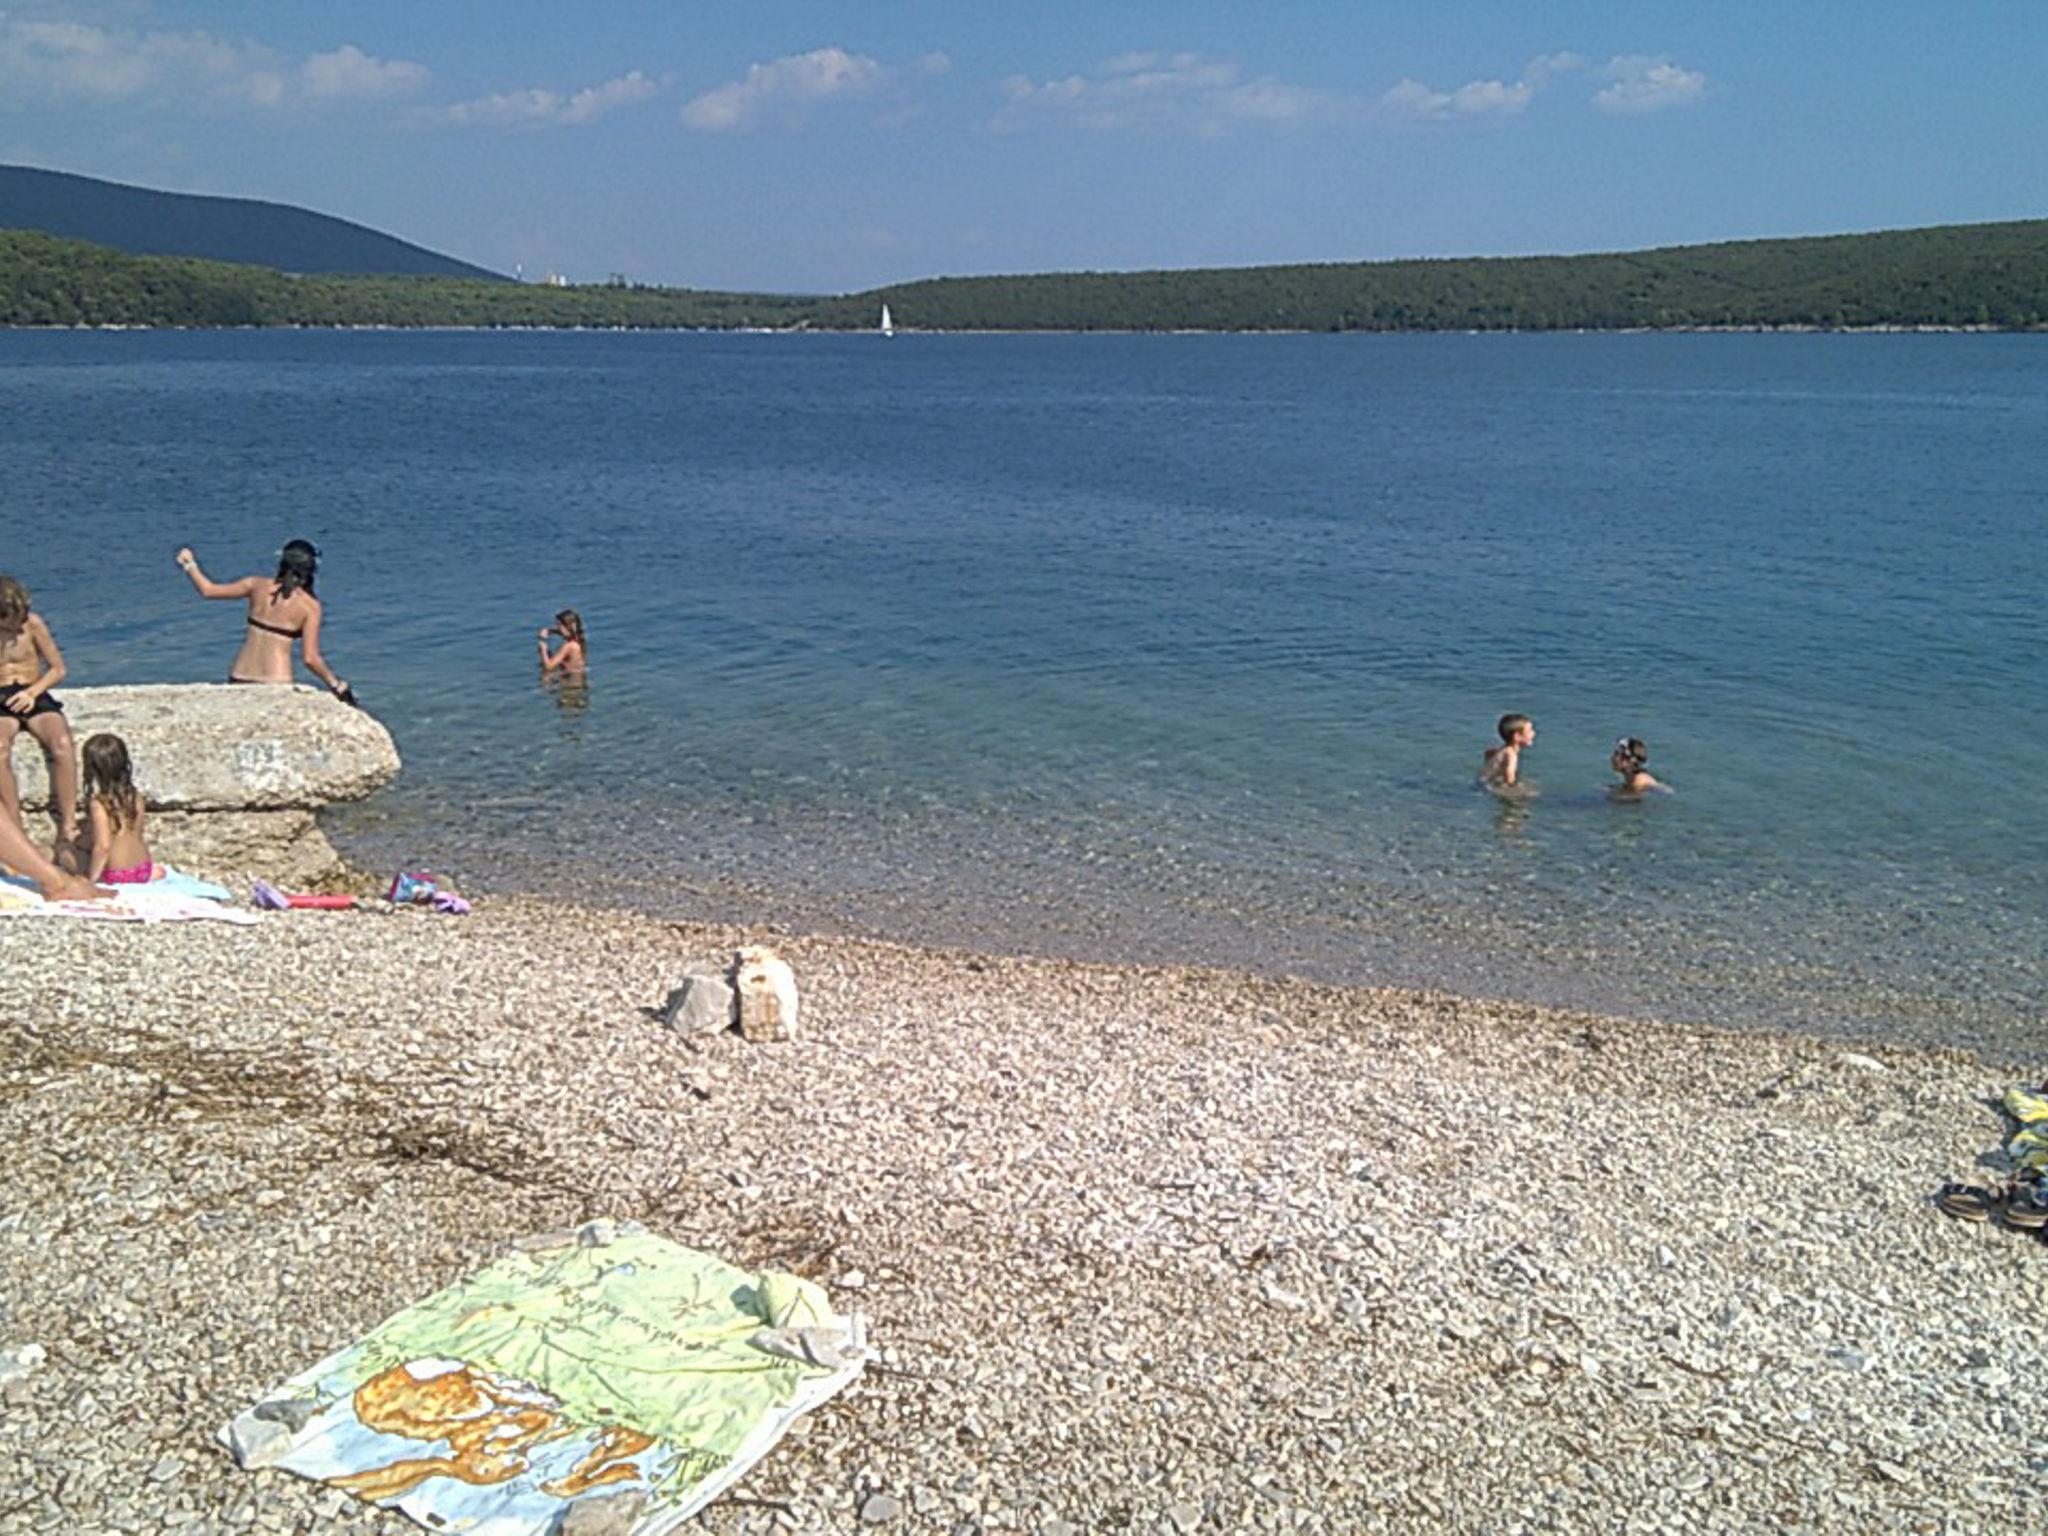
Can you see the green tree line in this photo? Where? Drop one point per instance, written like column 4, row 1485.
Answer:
column 45, row 281
column 1992, row 275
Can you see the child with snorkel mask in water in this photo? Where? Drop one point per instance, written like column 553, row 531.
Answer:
column 1629, row 755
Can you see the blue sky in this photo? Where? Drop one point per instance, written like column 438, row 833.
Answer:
column 803, row 146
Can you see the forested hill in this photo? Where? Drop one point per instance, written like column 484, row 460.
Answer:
column 1952, row 275
column 47, row 281
column 1984, row 275
column 234, row 229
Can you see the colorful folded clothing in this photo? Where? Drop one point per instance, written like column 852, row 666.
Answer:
column 412, row 888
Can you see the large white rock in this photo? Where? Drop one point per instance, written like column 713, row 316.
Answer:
column 219, row 747
column 767, row 989
column 233, row 776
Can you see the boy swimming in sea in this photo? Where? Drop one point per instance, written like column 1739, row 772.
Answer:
column 1502, row 766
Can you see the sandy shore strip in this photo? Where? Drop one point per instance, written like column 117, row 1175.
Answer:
column 1145, row 1249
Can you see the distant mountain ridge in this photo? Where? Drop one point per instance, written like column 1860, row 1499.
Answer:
column 145, row 222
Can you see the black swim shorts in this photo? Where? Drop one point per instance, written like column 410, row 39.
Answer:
column 44, row 704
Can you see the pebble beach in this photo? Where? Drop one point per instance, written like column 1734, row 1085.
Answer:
column 1141, row 1249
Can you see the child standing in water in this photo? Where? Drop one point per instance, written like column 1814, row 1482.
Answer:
column 1502, row 765
column 1629, row 756
column 113, row 808
column 573, row 654
column 30, row 666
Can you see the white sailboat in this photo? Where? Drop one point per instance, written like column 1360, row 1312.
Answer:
column 888, row 326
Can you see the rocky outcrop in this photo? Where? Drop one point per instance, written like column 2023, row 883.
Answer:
column 234, row 776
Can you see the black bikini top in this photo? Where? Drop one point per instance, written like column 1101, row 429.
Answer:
column 289, row 634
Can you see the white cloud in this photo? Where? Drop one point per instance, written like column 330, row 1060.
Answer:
column 933, row 64
column 1411, row 98
column 1640, row 83
column 1479, row 98
column 78, row 61
column 1546, row 66
column 1491, row 96
column 1184, row 91
column 540, row 108
column 348, row 73
column 62, row 58
column 1274, row 101
column 786, row 86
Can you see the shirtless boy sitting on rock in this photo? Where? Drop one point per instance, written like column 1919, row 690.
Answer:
column 30, row 665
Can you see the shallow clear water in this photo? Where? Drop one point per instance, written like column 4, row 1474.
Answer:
column 1147, row 647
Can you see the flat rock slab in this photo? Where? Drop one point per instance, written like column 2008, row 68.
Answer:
column 218, row 747
column 287, row 848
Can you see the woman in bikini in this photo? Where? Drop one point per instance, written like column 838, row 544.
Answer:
column 282, row 608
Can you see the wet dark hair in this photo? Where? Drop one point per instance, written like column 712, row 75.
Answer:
column 570, row 623
column 1634, row 751
column 1509, row 724
column 297, row 564
column 14, row 603
column 109, row 778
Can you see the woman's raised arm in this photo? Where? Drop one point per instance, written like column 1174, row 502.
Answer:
column 189, row 564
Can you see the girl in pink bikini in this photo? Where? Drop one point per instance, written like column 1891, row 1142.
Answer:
column 113, row 811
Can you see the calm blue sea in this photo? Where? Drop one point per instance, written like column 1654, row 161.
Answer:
column 1148, row 647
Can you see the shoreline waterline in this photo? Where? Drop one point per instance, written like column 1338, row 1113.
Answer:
column 1439, row 951
column 1901, row 329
